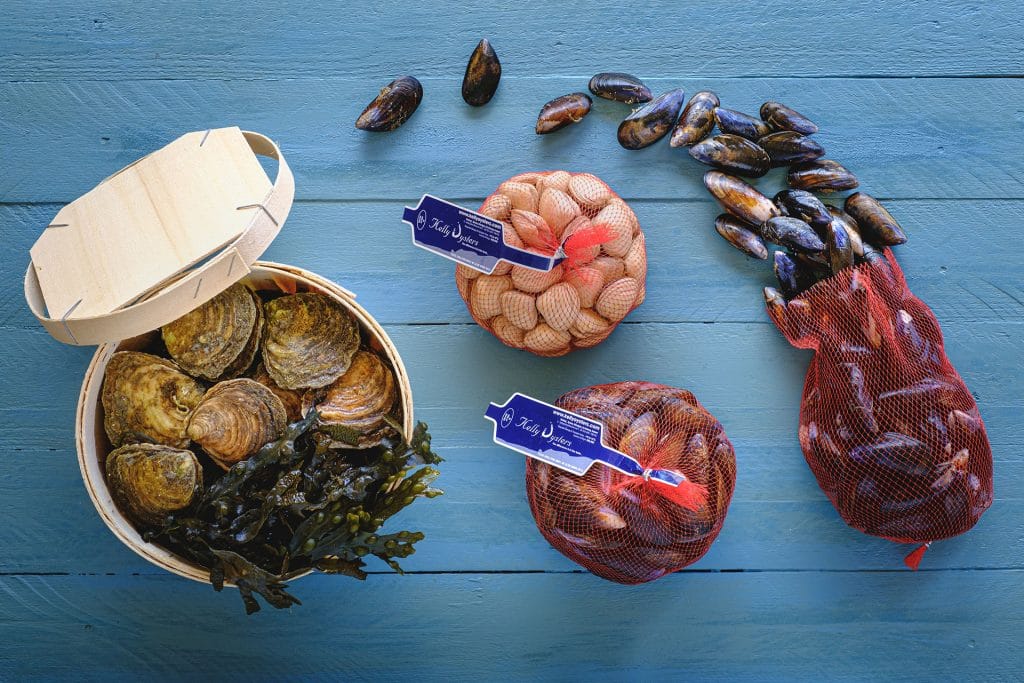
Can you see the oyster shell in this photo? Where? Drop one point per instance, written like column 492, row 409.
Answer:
column 290, row 399
column 309, row 340
column 147, row 399
column 150, row 481
column 235, row 419
column 218, row 340
column 356, row 405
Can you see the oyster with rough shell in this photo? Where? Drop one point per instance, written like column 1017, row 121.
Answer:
column 291, row 399
column 218, row 340
column 355, row 409
column 309, row 340
column 151, row 481
column 235, row 419
column 147, row 399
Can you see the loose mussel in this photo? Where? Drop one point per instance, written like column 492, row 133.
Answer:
column 789, row 147
column 483, row 72
column 696, row 121
column 147, row 399
column 781, row 117
column 651, row 122
column 738, row 123
column 805, row 206
column 785, row 272
column 840, row 248
column 740, row 198
column 355, row 408
column 851, row 227
column 620, row 87
column 877, row 225
column 235, row 419
column 733, row 154
column 150, row 481
column 791, row 232
column 741, row 235
column 392, row 107
column 821, row 175
column 563, row 111
column 309, row 340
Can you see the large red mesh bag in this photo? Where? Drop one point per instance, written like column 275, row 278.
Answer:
column 633, row 529
column 579, row 302
column 891, row 432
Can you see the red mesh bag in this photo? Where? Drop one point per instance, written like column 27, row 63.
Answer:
column 579, row 302
column 633, row 529
column 891, row 432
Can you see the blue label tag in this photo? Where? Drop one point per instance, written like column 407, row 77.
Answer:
column 468, row 237
column 562, row 439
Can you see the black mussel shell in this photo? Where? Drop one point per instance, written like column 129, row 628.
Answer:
column 651, row 122
column 738, row 123
column 781, row 117
column 620, row 87
column 785, row 271
column 851, row 227
column 740, row 198
column 392, row 107
column 876, row 224
column 732, row 154
column 697, row 120
column 483, row 72
column 562, row 111
column 741, row 235
column 806, row 206
column 822, row 175
column 789, row 147
column 840, row 247
column 791, row 232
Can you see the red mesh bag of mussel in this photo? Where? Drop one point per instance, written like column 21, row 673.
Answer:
column 581, row 300
column 891, row 432
column 633, row 529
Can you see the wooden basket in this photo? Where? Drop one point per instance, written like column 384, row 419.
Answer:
column 201, row 274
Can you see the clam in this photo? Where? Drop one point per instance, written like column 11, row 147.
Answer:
column 309, row 340
column 789, row 147
column 356, row 405
column 619, row 87
column 392, row 107
column 696, row 121
column 781, row 117
column 821, row 175
column 151, row 481
column 651, row 122
column 220, row 338
column 741, row 235
column 732, row 154
column 740, row 198
column 563, row 111
column 290, row 399
column 147, row 399
column 482, row 75
column 877, row 225
column 791, row 232
column 805, row 206
column 738, row 123
column 235, row 419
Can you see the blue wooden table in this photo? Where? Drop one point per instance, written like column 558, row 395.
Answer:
column 924, row 102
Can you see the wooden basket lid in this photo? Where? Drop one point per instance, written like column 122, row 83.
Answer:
column 158, row 238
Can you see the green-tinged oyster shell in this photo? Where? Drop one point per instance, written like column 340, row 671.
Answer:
column 309, row 340
column 150, row 481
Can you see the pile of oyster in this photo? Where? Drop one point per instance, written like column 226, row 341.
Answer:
column 224, row 381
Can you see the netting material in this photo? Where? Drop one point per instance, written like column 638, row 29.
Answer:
column 891, row 432
column 582, row 300
column 628, row 529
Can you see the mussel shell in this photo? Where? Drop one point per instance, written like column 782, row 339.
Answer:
column 696, row 121
column 840, row 248
column 740, row 198
column 791, row 232
column 852, row 229
column 733, row 154
column 775, row 303
column 785, row 272
column 235, row 419
column 619, row 87
column 821, row 175
column 562, row 111
column 147, row 399
column 392, row 107
column 483, row 72
column 781, row 117
column 309, row 340
column 150, row 481
column 220, row 338
column 651, row 122
column 806, row 206
column 787, row 147
column 741, row 235
column 877, row 225
column 358, row 401
column 738, row 123
column 290, row 399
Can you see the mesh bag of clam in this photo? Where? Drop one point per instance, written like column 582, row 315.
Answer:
column 580, row 301
column 629, row 526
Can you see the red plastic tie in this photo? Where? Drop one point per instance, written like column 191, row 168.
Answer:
column 688, row 494
column 580, row 242
column 913, row 560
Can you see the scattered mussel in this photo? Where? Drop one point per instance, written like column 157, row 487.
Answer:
column 392, row 107
column 805, row 206
column 563, row 111
column 787, row 147
column 733, row 154
column 740, row 198
column 620, row 87
column 821, row 175
column 483, row 72
column 696, row 121
column 651, row 122
column 781, row 117
column 875, row 222
column 738, row 123
column 793, row 233
column 741, row 235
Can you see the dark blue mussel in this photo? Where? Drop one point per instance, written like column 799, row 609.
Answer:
column 781, row 117
column 620, row 87
column 791, row 232
column 483, row 72
column 563, row 111
column 651, row 122
column 876, row 224
column 696, row 121
column 733, row 154
column 822, row 175
column 789, row 147
column 741, row 235
column 392, row 107
column 738, row 123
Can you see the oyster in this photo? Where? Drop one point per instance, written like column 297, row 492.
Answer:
column 356, row 406
column 619, row 87
column 218, row 340
column 482, row 75
column 150, row 481
column 235, row 419
column 732, row 154
column 308, row 341
column 290, row 399
column 651, row 122
column 392, row 107
column 562, row 111
column 697, row 120
column 147, row 399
